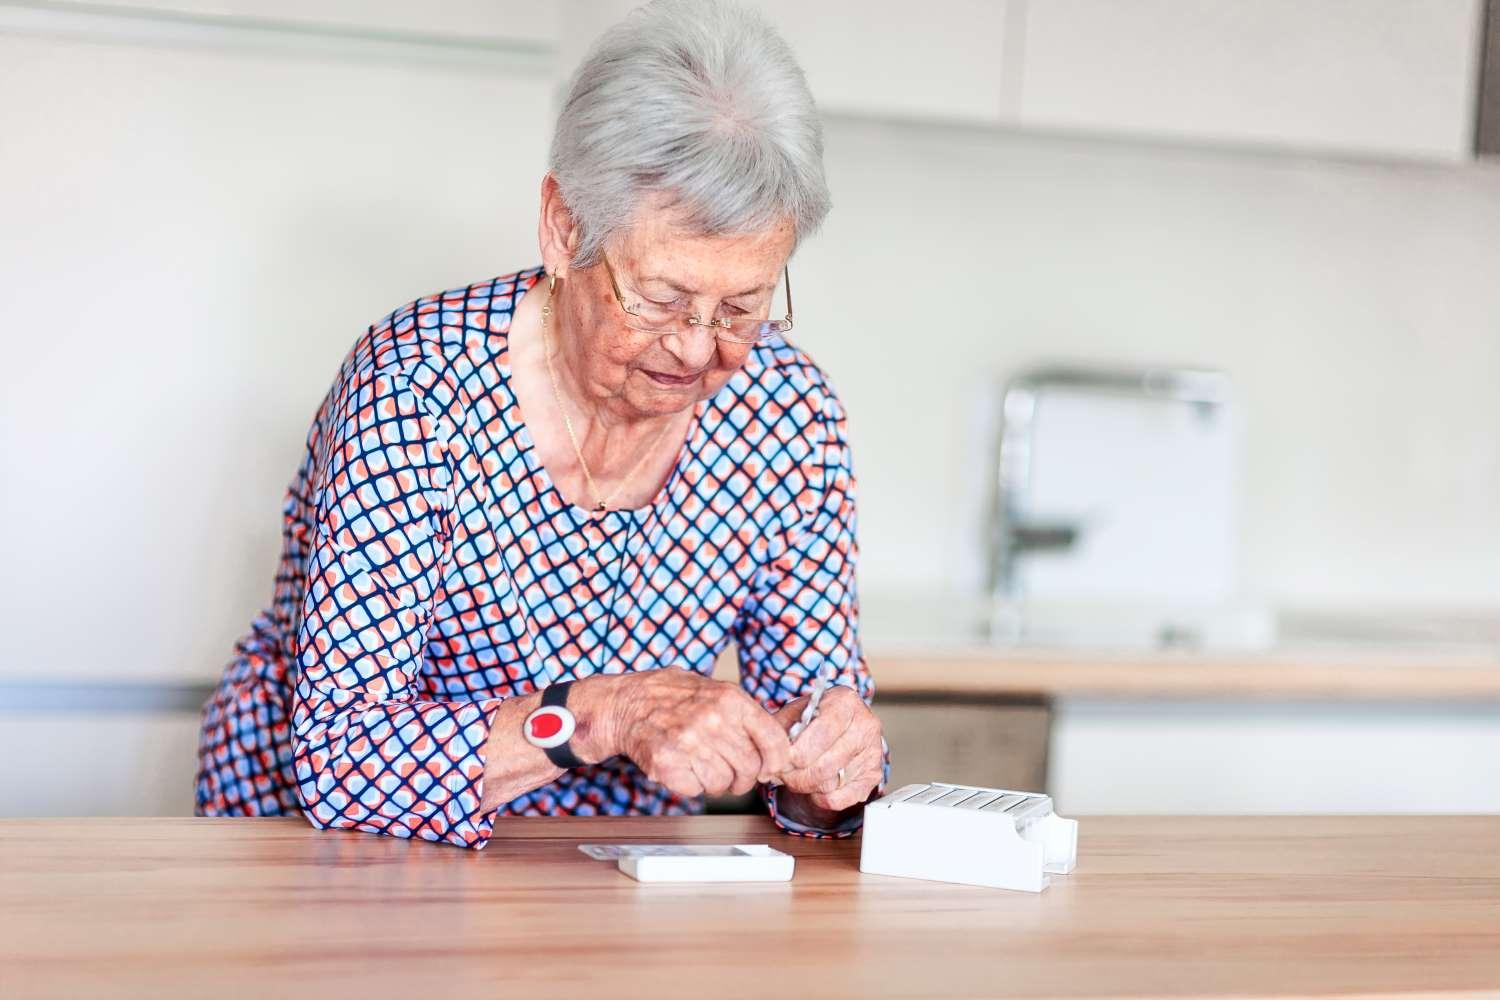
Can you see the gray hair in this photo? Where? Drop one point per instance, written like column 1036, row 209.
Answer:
column 697, row 100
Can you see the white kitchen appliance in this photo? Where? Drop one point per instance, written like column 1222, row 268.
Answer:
column 1114, row 517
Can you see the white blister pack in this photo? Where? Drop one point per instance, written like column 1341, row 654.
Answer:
column 976, row 836
column 697, row 862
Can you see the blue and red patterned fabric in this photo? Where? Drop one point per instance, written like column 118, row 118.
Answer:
column 430, row 569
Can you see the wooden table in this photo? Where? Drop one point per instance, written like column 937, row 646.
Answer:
column 1159, row 906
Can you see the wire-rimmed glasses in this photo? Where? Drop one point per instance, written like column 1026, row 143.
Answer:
column 661, row 318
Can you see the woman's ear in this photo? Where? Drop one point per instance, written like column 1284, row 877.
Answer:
column 557, row 233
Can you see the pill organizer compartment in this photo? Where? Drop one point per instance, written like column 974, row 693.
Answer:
column 976, row 836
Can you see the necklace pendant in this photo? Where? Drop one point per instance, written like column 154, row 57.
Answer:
column 601, row 509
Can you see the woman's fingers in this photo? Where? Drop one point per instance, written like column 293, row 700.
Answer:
column 789, row 714
column 713, row 773
column 821, row 773
column 743, row 757
column 769, row 736
column 679, row 779
column 861, row 776
column 835, row 713
column 709, row 737
column 845, row 736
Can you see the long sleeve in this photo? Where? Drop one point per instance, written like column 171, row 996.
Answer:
column 369, row 753
column 804, row 608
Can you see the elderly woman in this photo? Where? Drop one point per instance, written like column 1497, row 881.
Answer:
column 532, row 511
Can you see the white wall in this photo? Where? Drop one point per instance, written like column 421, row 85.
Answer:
column 194, row 234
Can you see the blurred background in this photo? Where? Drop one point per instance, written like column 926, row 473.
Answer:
column 1168, row 331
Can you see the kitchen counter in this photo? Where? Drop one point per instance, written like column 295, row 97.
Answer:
column 1431, row 675
column 1165, row 906
column 923, row 645
column 1383, row 674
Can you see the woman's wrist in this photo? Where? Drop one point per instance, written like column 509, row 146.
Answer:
column 595, row 703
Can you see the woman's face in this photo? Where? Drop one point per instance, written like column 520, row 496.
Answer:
column 641, row 374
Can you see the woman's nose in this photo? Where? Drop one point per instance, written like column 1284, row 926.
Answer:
column 693, row 345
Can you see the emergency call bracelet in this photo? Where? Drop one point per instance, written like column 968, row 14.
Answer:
column 551, row 726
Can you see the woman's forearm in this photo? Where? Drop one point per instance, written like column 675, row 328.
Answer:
column 513, row 766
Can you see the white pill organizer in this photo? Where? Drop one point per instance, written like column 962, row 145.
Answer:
column 976, row 836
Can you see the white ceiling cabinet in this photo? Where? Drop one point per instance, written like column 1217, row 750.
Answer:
column 948, row 60
column 1380, row 78
column 496, row 21
column 951, row 60
column 1389, row 78
column 1383, row 78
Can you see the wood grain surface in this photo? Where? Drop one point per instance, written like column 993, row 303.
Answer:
column 1376, row 677
column 1206, row 906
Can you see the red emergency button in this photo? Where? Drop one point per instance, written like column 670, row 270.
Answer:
column 549, row 726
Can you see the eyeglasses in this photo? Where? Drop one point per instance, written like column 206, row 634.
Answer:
column 661, row 318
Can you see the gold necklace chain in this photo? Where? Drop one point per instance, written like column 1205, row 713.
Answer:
column 601, row 503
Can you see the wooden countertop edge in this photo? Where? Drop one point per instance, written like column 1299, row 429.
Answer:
column 1172, row 676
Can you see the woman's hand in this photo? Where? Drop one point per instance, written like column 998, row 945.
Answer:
column 698, row 736
column 845, row 735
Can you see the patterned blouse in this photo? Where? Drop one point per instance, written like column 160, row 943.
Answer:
column 430, row 569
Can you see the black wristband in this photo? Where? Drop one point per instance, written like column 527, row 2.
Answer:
column 556, row 696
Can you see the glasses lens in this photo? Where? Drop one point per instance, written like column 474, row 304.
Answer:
column 745, row 331
column 654, row 321
column 659, row 323
column 657, row 320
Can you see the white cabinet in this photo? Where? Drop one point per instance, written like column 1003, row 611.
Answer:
column 944, row 60
column 505, row 21
column 1266, row 757
column 57, row 763
column 1381, row 78
column 947, row 60
column 1367, row 77
column 1384, row 78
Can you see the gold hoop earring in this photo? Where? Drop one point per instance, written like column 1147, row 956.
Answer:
column 551, row 284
